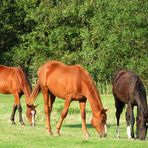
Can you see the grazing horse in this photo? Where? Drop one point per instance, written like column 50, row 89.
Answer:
column 71, row 83
column 129, row 89
column 14, row 81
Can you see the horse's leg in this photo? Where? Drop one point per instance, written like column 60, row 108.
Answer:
column 13, row 113
column 19, row 107
column 45, row 92
column 51, row 101
column 119, row 107
column 83, row 116
column 130, row 120
column 20, row 111
column 20, row 114
column 64, row 114
column 137, row 126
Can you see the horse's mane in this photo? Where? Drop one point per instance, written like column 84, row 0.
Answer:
column 23, row 80
column 92, row 86
column 1, row 66
column 141, row 93
column 89, row 79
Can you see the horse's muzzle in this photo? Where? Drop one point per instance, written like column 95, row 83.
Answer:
column 103, row 135
column 32, row 124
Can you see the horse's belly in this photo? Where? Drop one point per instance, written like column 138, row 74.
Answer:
column 4, row 87
column 64, row 87
column 4, row 91
column 123, row 98
column 63, row 93
column 121, row 93
column 58, row 92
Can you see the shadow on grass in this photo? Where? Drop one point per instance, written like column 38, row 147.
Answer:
column 88, row 125
column 77, row 125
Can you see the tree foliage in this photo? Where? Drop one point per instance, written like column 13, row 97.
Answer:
column 102, row 35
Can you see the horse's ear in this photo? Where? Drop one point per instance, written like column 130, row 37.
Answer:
column 106, row 109
column 36, row 105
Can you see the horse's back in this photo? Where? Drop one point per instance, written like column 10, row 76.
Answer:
column 11, row 79
column 56, row 69
column 66, row 79
column 6, row 83
column 125, row 85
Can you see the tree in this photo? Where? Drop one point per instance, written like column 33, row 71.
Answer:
column 103, row 36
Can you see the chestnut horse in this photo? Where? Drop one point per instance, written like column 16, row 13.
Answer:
column 129, row 89
column 14, row 81
column 72, row 83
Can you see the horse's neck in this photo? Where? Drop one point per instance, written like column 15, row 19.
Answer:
column 27, row 93
column 26, row 88
column 142, row 114
column 95, row 101
column 142, row 107
column 141, row 98
column 142, row 103
column 24, row 83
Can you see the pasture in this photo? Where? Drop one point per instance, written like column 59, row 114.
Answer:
column 71, row 134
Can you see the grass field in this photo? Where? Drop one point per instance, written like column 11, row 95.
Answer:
column 71, row 134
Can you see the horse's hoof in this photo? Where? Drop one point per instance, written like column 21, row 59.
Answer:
column 13, row 123
column 131, row 138
column 22, row 123
column 50, row 133
column 102, row 135
column 33, row 125
column 57, row 134
column 87, row 135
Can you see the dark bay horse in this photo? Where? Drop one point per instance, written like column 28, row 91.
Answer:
column 71, row 83
column 13, row 80
column 129, row 89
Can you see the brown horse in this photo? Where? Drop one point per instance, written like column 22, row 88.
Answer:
column 72, row 83
column 14, row 81
column 129, row 89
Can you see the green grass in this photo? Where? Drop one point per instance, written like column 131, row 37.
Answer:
column 71, row 134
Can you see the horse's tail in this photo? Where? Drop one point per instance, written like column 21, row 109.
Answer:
column 141, row 96
column 34, row 93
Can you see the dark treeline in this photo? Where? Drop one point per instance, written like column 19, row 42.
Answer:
column 104, row 36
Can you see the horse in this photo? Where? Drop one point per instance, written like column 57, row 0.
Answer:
column 13, row 80
column 128, row 89
column 71, row 83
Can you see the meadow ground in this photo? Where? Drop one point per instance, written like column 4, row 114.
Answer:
column 71, row 134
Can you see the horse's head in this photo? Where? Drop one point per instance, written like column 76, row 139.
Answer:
column 30, row 113
column 142, row 124
column 99, row 122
